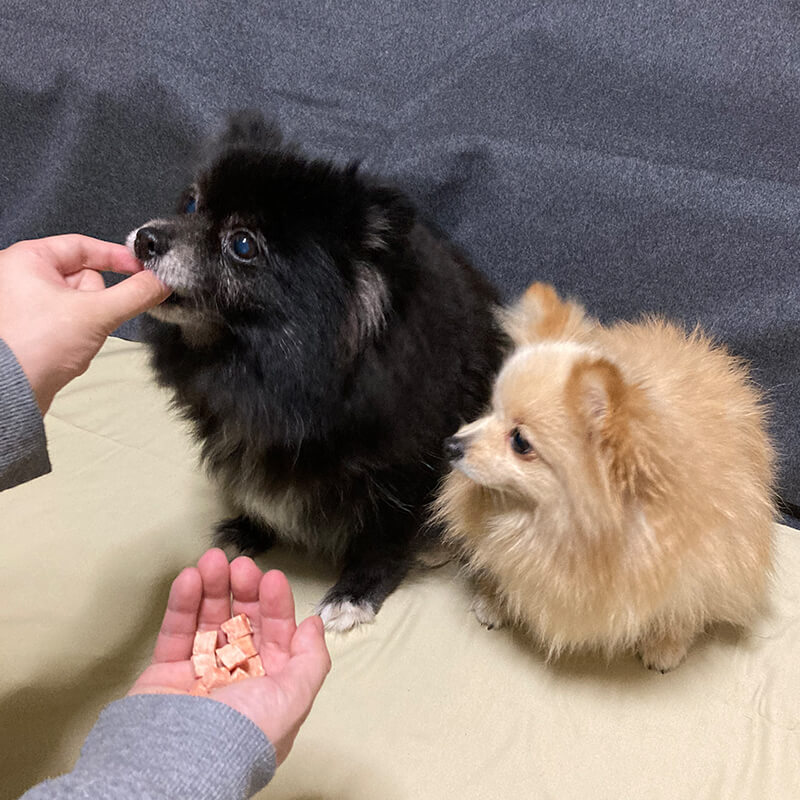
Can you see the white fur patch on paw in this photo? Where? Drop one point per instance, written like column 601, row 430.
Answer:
column 344, row 615
column 486, row 611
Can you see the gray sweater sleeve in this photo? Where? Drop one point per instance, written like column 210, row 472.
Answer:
column 152, row 746
column 23, row 447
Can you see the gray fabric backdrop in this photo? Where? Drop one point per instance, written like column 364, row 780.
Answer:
column 643, row 156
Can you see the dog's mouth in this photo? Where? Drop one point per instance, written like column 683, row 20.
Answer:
column 465, row 468
column 182, row 301
column 172, row 265
column 179, row 298
column 151, row 245
column 175, row 299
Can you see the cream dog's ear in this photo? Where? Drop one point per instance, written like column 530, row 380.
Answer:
column 540, row 314
column 617, row 422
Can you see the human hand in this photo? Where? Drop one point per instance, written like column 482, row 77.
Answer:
column 295, row 657
column 55, row 312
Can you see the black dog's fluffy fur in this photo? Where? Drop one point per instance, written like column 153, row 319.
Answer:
column 324, row 342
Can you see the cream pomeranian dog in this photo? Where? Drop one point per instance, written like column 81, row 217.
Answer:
column 618, row 494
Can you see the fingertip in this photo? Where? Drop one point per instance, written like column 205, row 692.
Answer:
column 274, row 583
column 214, row 555
column 186, row 589
column 316, row 621
column 276, row 601
column 215, row 571
column 245, row 578
column 125, row 262
column 310, row 637
column 243, row 562
column 154, row 290
column 124, row 300
column 188, row 574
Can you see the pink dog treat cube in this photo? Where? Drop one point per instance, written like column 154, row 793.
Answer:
column 215, row 677
column 255, row 667
column 198, row 690
column 205, row 642
column 237, row 627
column 246, row 645
column 231, row 656
column 202, row 663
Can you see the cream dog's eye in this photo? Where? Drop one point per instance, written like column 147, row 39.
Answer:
column 519, row 444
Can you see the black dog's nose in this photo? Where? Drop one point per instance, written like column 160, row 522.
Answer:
column 150, row 242
column 454, row 448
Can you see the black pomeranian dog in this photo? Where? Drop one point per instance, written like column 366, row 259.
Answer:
column 324, row 342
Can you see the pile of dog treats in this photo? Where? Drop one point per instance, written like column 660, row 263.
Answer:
column 218, row 666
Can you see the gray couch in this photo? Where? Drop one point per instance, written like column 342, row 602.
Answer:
column 643, row 156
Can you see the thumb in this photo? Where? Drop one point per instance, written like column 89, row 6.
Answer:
column 126, row 299
column 310, row 661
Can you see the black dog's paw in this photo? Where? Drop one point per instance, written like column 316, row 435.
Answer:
column 343, row 612
column 241, row 536
column 344, row 615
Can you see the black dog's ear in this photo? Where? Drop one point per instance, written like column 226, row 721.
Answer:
column 389, row 217
column 248, row 129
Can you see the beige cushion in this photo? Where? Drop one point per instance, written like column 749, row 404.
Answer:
column 423, row 704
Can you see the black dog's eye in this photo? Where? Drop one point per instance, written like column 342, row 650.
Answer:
column 244, row 245
column 519, row 444
column 188, row 203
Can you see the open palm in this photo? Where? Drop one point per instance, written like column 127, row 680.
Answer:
column 295, row 657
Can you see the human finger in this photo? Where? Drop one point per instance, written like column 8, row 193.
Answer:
column 86, row 280
column 310, row 661
column 125, row 300
column 72, row 252
column 277, row 622
column 174, row 642
column 245, row 579
column 215, row 605
column 309, row 641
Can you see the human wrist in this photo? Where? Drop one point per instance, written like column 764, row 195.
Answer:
column 174, row 746
column 23, row 443
column 39, row 379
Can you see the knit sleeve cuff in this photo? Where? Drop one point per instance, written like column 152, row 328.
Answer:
column 23, row 447
column 152, row 746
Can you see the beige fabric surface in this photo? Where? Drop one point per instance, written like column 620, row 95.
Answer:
column 424, row 704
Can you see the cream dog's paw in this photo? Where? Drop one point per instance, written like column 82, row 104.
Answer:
column 664, row 653
column 487, row 611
